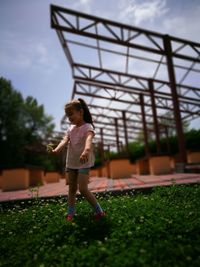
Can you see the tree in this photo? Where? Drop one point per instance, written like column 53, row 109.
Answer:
column 23, row 127
column 168, row 120
column 11, row 136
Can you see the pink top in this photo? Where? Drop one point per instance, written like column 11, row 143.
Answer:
column 77, row 138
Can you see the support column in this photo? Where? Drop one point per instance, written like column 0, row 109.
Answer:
column 121, row 145
column 147, row 152
column 99, row 147
column 125, row 128
column 108, row 163
column 102, row 146
column 117, row 135
column 175, row 100
column 167, row 139
column 155, row 119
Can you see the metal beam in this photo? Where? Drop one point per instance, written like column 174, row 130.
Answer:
column 175, row 99
column 128, row 96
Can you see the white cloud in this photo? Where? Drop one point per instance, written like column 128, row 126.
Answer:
column 41, row 51
column 135, row 12
column 82, row 5
column 17, row 52
column 185, row 25
column 85, row 2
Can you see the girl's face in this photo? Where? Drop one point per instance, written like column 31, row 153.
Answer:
column 75, row 116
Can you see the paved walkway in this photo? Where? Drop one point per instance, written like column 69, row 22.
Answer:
column 104, row 184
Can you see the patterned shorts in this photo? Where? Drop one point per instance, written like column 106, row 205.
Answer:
column 82, row 171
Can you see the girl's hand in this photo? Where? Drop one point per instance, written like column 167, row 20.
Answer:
column 84, row 156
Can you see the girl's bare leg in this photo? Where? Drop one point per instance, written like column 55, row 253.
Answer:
column 83, row 188
column 73, row 178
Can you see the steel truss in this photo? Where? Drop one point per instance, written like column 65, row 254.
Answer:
column 130, row 77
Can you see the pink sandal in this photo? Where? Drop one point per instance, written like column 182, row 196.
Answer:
column 99, row 215
column 69, row 217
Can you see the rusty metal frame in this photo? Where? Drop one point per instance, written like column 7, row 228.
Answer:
column 121, row 99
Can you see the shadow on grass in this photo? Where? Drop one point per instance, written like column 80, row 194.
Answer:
column 85, row 229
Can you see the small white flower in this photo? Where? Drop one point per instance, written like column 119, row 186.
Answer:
column 130, row 233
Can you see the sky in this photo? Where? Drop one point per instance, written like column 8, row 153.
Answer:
column 31, row 56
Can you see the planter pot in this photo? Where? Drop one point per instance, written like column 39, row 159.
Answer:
column 52, row 177
column 36, row 177
column 1, row 178
column 15, row 179
column 193, row 157
column 160, row 165
column 142, row 167
column 121, row 168
column 94, row 173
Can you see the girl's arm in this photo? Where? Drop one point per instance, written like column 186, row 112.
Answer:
column 88, row 147
column 62, row 144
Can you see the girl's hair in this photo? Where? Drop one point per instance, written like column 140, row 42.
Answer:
column 78, row 105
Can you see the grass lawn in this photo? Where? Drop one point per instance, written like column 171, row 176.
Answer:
column 161, row 228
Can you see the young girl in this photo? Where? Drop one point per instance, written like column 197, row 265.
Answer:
column 80, row 157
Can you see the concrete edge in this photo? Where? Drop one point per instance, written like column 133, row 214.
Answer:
column 106, row 194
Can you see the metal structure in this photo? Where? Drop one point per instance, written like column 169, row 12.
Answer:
column 130, row 77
